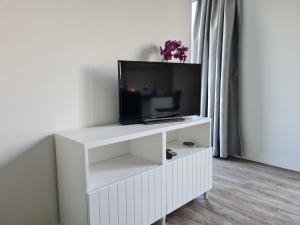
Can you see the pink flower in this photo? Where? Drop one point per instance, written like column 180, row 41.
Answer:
column 174, row 49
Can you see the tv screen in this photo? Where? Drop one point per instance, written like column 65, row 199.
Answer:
column 158, row 90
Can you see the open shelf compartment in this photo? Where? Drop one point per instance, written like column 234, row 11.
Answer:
column 114, row 162
column 182, row 150
column 113, row 170
column 198, row 134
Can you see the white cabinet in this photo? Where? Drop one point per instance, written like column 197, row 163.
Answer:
column 119, row 175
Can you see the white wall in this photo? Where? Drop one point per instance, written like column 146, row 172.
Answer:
column 270, row 82
column 58, row 71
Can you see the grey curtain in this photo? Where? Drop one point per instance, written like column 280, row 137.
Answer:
column 215, row 45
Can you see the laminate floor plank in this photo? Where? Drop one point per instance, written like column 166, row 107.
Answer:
column 245, row 193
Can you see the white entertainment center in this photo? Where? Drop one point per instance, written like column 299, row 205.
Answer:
column 119, row 175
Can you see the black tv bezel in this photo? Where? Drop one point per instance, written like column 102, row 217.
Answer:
column 128, row 121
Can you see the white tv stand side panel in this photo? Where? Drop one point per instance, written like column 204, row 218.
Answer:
column 71, row 159
column 141, row 197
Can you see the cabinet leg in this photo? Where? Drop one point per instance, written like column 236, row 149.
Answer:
column 162, row 221
column 206, row 195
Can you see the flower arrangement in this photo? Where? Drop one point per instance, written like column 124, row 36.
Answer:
column 174, row 49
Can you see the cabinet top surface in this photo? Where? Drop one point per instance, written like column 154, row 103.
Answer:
column 112, row 133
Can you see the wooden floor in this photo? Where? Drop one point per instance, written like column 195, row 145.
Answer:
column 245, row 193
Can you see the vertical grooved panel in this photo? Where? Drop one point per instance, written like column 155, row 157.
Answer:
column 130, row 198
column 122, row 202
column 180, row 183
column 145, row 199
column 210, row 168
column 104, row 207
column 137, row 200
column 175, row 185
column 94, row 209
column 164, row 190
column 198, row 173
column 113, row 205
column 190, row 178
column 185, row 180
column 169, row 187
column 152, row 198
column 195, row 175
column 158, row 190
column 202, row 171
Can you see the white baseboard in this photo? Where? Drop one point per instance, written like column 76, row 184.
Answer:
column 273, row 160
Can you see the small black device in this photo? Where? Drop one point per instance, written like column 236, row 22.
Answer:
column 189, row 144
column 158, row 91
column 170, row 154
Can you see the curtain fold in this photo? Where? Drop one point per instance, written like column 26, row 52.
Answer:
column 215, row 45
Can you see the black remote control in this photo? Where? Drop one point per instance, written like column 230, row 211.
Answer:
column 170, row 154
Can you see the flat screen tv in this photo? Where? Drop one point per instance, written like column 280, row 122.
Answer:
column 158, row 91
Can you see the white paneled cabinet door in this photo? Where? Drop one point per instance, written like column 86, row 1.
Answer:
column 188, row 178
column 135, row 200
